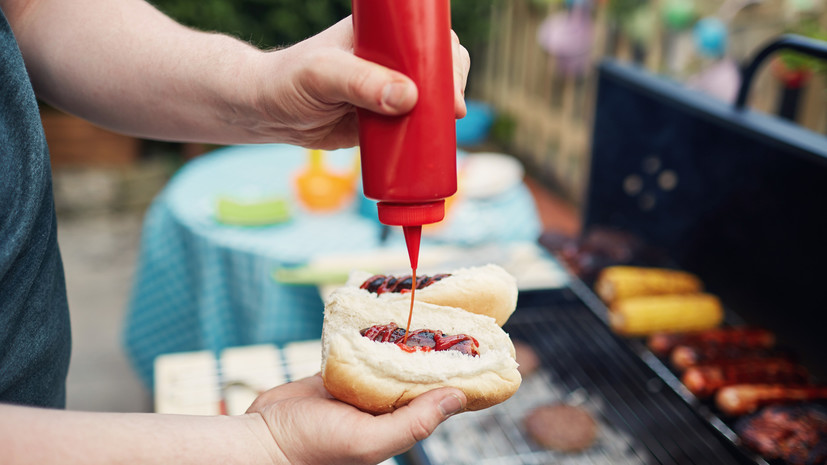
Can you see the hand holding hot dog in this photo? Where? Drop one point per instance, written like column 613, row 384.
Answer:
column 324, row 430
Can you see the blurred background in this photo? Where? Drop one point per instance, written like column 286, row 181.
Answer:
column 531, row 95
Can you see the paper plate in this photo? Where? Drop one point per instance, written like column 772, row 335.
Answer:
column 489, row 174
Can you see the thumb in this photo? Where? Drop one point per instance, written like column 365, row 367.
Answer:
column 348, row 78
column 417, row 420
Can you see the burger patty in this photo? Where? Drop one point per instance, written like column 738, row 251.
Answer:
column 527, row 360
column 561, row 427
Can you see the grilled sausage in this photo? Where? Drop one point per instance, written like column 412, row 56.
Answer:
column 742, row 336
column 705, row 380
column 686, row 356
column 741, row 399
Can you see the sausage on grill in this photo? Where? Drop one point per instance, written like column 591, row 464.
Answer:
column 686, row 356
column 741, row 399
column 705, row 380
column 742, row 336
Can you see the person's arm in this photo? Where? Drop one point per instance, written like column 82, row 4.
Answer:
column 47, row 436
column 126, row 66
column 296, row 423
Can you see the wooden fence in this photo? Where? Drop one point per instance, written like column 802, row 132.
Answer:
column 552, row 112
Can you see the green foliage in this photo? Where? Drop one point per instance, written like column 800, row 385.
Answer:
column 471, row 20
column 503, row 129
column 620, row 10
column 807, row 27
column 275, row 23
column 264, row 23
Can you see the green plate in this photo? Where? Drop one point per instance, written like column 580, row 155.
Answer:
column 310, row 275
column 252, row 213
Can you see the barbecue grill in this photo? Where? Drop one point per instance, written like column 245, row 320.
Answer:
column 642, row 420
column 732, row 195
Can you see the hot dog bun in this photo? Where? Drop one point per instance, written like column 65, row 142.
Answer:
column 486, row 290
column 380, row 377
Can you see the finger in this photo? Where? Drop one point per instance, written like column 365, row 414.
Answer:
column 344, row 134
column 343, row 77
column 400, row 430
column 462, row 64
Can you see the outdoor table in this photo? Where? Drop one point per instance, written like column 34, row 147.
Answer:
column 201, row 284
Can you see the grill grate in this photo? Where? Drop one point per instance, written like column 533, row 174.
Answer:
column 642, row 421
column 495, row 436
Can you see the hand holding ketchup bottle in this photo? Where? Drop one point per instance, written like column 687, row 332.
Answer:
column 409, row 162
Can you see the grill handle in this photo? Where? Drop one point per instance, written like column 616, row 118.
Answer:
column 794, row 42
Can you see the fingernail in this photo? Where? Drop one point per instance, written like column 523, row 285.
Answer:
column 450, row 405
column 393, row 95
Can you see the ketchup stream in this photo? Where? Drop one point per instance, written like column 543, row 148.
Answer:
column 410, row 312
column 413, row 236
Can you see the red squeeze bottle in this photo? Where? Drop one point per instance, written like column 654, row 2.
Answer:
column 409, row 162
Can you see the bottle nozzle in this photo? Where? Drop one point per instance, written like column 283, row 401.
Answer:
column 413, row 236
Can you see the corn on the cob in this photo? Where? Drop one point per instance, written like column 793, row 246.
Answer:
column 620, row 282
column 638, row 316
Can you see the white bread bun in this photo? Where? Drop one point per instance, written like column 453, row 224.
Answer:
column 379, row 377
column 485, row 290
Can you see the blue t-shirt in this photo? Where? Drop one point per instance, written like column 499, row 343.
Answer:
column 35, row 338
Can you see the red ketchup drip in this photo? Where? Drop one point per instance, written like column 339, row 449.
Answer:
column 422, row 340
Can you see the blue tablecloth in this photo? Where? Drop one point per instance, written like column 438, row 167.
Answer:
column 204, row 285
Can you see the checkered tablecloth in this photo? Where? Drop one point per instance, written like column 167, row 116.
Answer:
column 204, row 285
